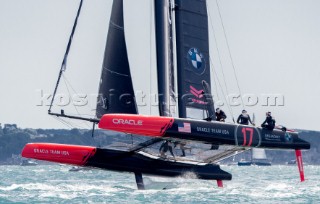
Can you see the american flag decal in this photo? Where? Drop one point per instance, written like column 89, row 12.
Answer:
column 184, row 127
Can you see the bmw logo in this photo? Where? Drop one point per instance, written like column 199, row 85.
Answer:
column 196, row 59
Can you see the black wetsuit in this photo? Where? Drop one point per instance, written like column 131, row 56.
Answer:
column 244, row 119
column 269, row 123
column 220, row 116
column 165, row 147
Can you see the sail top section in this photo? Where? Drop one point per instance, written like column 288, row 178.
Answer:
column 116, row 94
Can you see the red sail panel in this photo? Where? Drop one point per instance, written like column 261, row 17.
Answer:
column 60, row 153
column 136, row 124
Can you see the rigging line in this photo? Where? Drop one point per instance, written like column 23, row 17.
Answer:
column 216, row 88
column 63, row 122
column 222, row 91
column 68, row 124
column 150, row 61
column 219, row 55
column 64, row 62
column 68, row 83
column 219, row 83
column 224, row 95
column 86, row 115
column 65, row 81
column 70, row 95
column 76, row 92
column 73, row 125
column 229, row 50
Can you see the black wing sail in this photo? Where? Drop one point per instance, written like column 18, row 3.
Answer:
column 192, row 57
column 116, row 94
column 193, row 68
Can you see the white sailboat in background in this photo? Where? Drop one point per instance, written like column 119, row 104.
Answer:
column 258, row 158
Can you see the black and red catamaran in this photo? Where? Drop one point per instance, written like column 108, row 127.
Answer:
column 181, row 37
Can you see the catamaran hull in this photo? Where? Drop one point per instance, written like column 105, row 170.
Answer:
column 122, row 161
column 202, row 131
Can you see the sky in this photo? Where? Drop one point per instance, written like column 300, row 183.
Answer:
column 274, row 46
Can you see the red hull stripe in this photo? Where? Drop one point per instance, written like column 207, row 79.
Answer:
column 136, row 124
column 60, row 153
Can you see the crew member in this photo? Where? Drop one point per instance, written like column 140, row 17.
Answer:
column 182, row 146
column 166, row 145
column 220, row 115
column 269, row 122
column 244, row 118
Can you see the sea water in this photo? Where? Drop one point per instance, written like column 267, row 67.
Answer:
column 56, row 184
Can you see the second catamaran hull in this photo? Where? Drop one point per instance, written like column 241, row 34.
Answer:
column 202, row 131
column 123, row 161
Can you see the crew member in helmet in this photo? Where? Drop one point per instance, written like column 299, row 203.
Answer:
column 269, row 122
column 220, row 115
column 244, row 118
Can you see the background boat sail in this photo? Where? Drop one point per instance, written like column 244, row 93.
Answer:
column 187, row 22
column 258, row 157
